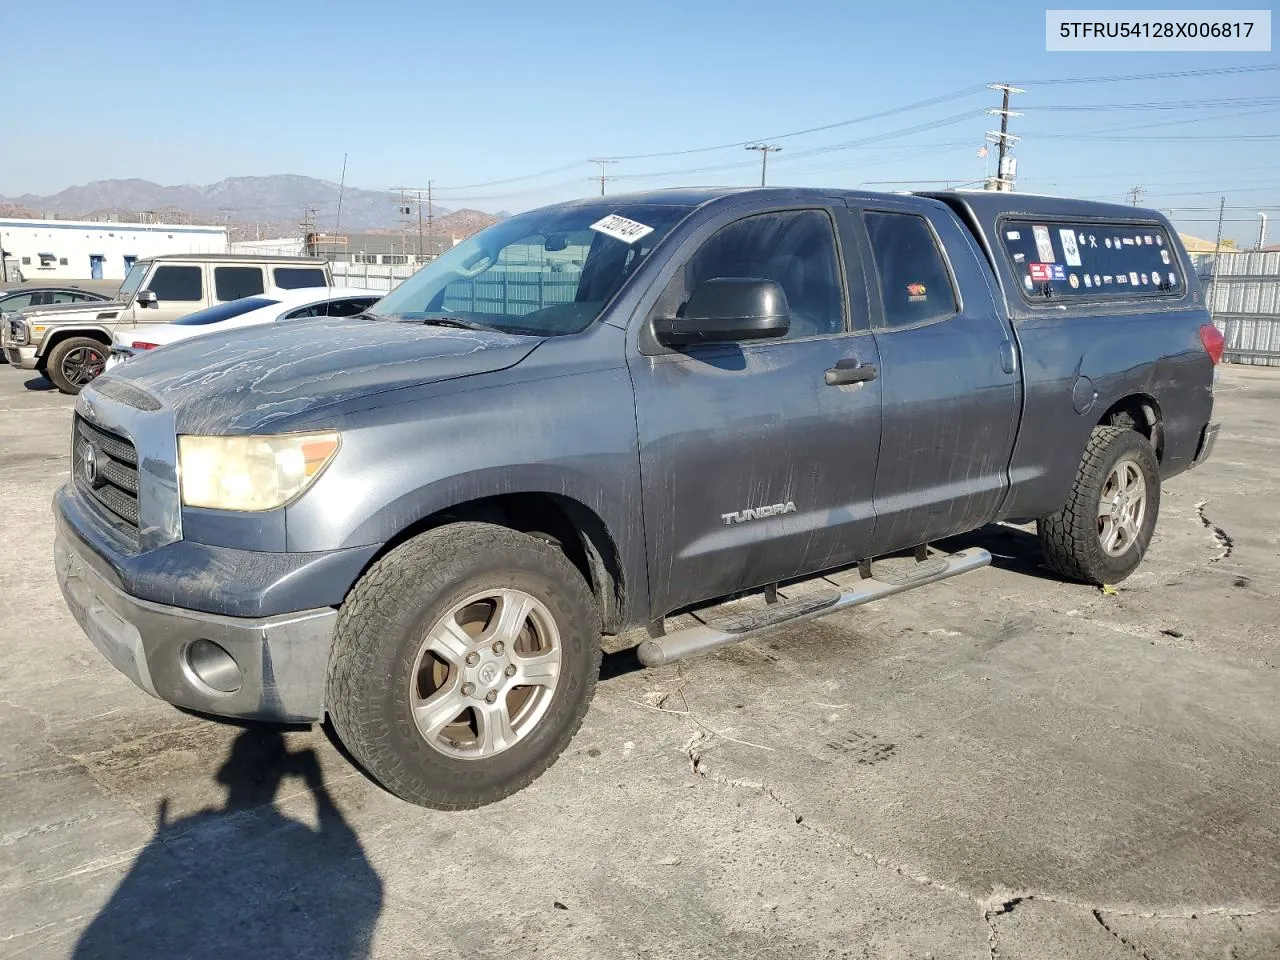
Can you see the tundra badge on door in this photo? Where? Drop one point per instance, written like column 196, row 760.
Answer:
column 758, row 513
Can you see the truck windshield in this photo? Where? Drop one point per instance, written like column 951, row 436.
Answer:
column 132, row 280
column 544, row 273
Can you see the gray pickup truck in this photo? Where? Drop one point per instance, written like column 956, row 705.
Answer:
column 418, row 522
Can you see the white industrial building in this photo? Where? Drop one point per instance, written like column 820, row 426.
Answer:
column 96, row 249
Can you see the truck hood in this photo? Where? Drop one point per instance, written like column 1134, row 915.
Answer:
column 52, row 312
column 248, row 379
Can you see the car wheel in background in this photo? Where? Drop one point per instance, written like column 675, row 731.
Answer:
column 76, row 362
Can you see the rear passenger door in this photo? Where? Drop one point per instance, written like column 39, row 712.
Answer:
column 952, row 391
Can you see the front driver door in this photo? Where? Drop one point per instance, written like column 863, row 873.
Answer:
column 754, row 469
column 179, row 290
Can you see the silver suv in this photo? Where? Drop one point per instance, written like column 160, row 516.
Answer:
column 69, row 343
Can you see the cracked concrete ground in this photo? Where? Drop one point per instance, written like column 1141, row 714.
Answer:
column 1003, row 765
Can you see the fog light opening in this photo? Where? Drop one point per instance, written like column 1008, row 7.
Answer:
column 212, row 666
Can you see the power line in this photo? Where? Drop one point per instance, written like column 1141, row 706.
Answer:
column 1166, row 75
column 1134, row 194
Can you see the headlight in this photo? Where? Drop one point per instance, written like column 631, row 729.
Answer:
column 251, row 473
column 18, row 334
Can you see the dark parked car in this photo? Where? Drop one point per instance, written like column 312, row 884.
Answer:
column 590, row 416
column 19, row 299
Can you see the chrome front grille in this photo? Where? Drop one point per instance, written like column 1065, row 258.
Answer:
column 105, row 468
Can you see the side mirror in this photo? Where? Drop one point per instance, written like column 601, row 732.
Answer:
column 146, row 298
column 727, row 310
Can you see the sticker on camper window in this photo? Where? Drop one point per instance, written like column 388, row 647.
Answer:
column 1059, row 272
column 1019, row 257
column 1173, row 279
column 1159, row 240
column 1044, row 243
column 1041, row 272
column 1148, row 239
column 1070, row 252
column 1133, row 277
column 917, row 293
column 1027, row 282
column 1164, row 257
column 1074, row 281
column 1012, row 235
column 1088, row 282
column 620, row 228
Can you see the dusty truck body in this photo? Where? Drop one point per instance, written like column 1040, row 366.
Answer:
column 418, row 522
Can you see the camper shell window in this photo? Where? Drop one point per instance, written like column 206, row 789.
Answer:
column 1091, row 260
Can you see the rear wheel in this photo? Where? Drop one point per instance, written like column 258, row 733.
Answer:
column 463, row 663
column 76, row 362
column 1103, row 532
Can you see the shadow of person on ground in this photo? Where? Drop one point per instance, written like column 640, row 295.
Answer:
column 245, row 880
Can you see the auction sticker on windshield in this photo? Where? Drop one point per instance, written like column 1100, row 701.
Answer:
column 620, row 228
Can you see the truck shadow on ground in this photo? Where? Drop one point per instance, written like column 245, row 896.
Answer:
column 244, row 879
column 40, row 383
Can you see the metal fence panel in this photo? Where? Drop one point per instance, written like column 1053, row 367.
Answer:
column 1243, row 294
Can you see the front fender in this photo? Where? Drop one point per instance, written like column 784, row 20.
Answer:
column 62, row 331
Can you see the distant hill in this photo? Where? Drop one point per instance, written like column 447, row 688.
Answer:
column 265, row 206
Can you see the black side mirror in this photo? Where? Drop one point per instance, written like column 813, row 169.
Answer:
column 146, row 298
column 726, row 310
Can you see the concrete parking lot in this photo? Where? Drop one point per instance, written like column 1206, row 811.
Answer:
column 1003, row 765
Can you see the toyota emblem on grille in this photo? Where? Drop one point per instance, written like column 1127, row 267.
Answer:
column 89, row 463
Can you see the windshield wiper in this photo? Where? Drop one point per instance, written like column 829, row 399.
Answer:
column 455, row 322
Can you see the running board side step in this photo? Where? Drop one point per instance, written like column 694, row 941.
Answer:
column 662, row 650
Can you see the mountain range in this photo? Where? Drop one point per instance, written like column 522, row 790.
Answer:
column 252, row 206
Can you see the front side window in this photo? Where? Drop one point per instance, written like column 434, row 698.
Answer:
column 332, row 308
column 296, row 278
column 178, row 284
column 796, row 249
column 232, row 283
column 915, row 284
column 15, row 303
column 545, row 273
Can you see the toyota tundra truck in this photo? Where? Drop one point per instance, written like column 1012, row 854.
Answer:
column 418, row 523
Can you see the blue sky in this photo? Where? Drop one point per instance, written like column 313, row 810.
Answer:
column 466, row 94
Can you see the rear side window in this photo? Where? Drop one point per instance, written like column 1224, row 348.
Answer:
column 332, row 308
column 232, row 283
column 1106, row 261
column 180, row 284
column 915, row 284
column 17, row 302
column 224, row 311
column 294, row 278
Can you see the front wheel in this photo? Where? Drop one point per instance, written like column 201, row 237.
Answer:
column 1103, row 532
column 463, row 663
column 76, row 362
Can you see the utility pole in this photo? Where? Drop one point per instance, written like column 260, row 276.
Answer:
column 1135, row 194
column 309, row 231
column 1262, row 230
column 1006, row 165
column 604, row 167
column 430, row 214
column 765, row 149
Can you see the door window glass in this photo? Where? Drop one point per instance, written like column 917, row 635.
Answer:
column 232, row 283
column 915, row 284
column 15, row 303
column 796, row 249
column 295, row 278
column 181, row 284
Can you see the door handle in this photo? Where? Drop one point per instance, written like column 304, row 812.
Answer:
column 850, row 370
column 1008, row 360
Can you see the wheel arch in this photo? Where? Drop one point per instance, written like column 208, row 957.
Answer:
column 60, row 334
column 569, row 524
column 1140, row 412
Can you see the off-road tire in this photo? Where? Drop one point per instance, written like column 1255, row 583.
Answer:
column 380, row 629
column 1070, row 536
column 53, row 367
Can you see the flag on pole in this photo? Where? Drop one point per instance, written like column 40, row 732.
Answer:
column 982, row 152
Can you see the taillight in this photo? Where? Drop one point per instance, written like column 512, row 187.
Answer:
column 143, row 345
column 1213, row 341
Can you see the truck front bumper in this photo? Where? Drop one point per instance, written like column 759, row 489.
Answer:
column 266, row 668
column 24, row 358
